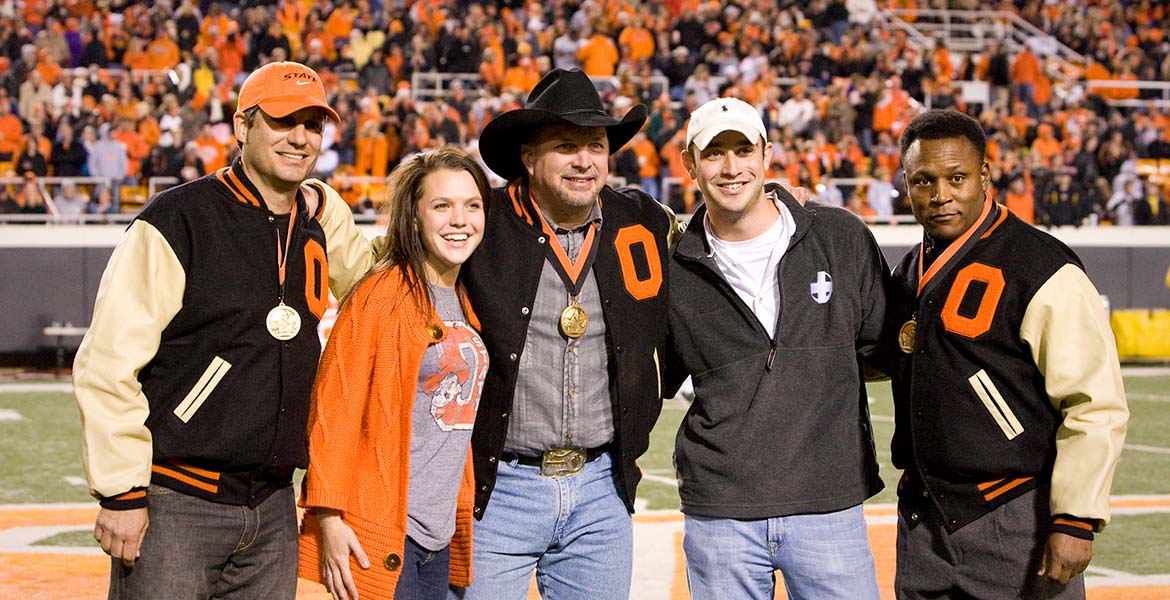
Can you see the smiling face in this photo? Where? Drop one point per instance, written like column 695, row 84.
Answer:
column 567, row 167
column 947, row 182
column 730, row 173
column 450, row 221
column 279, row 154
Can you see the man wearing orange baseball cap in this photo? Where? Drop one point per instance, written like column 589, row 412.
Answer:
column 194, row 378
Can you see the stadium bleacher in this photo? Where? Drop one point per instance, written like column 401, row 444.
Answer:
column 1063, row 88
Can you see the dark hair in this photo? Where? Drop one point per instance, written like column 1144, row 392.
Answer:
column 941, row 124
column 404, row 246
column 250, row 115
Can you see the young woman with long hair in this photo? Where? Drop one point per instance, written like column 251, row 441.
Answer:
column 390, row 486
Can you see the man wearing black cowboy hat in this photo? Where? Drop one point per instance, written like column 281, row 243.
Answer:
column 569, row 287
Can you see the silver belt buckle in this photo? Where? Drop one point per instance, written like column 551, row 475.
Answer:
column 562, row 462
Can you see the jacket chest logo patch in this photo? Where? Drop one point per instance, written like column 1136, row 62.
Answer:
column 822, row 288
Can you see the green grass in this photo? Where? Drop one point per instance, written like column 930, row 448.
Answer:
column 40, row 450
column 1134, row 544
column 70, row 539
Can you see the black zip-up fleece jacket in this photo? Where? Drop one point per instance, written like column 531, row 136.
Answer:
column 778, row 426
column 502, row 277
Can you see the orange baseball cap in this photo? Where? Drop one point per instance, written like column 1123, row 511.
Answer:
column 282, row 88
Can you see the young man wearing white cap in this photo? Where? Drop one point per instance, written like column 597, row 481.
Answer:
column 194, row 378
column 772, row 306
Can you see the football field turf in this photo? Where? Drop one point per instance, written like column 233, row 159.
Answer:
column 46, row 549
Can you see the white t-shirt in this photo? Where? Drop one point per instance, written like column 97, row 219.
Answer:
column 750, row 266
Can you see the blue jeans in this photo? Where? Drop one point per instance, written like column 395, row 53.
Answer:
column 820, row 556
column 424, row 573
column 650, row 186
column 195, row 548
column 574, row 531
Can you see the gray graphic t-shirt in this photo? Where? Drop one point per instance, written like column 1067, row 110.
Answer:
column 447, row 397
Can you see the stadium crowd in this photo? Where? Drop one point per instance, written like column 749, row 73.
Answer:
column 125, row 91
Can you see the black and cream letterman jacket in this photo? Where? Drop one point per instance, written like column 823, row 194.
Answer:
column 178, row 380
column 630, row 268
column 1012, row 382
column 779, row 425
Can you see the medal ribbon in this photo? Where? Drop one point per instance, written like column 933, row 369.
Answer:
column 572, row 273
column 282, row 253
column 958, row 248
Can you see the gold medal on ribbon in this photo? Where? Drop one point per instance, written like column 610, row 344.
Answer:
column 906, row 336
column 574, row 320
column 283, row 322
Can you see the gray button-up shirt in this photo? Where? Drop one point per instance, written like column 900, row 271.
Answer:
column 562, row 389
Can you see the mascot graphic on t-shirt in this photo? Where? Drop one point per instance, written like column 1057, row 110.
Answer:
column 455, row 388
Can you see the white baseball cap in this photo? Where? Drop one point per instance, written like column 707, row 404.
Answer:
column 724, row 114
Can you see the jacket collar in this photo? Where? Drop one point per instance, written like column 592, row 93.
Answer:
column 521, row 204
column 244, row 191
column 693, row 245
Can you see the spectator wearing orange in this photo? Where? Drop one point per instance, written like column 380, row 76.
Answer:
column 492, row 76
column 672, row 151
column 126, row 104
column 147, row 125
column 636, row 42
column 598, row 55
column 372, row 150
column 886, row 153
column 162, row 52
column 48, row 67
column 649, row 163
column 136, row 57
column 521, row 77
column 231, row 49
column 291, row 15
column 340, row 22
column 11, row 133
column 136, row 147
column 1045, row 146
column 940, row 60
column 892, row 111
column 318, row 33
column 1026, row 69
column 210, row 150
column 1020, row 199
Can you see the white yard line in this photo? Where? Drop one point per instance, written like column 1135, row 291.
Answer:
column 11, row 416
column 49, row 506
column 671, row 481
column 20, row 540
column 1148, row 397
column 1128, row 581
column 1150, row 449
column 47, row 386
column 1095, row 571
column 1145, row 371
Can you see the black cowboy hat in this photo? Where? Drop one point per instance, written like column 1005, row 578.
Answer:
column 562, row 96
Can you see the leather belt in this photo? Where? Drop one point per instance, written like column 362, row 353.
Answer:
column 559, row 462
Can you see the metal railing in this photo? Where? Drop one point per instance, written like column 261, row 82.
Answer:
column 432, row 86
column 975, row 30
column 437, row 86
column 157, row 184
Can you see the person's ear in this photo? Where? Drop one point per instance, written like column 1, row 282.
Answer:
column 240, row 126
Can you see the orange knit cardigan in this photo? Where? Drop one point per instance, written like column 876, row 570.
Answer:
column 359, row 435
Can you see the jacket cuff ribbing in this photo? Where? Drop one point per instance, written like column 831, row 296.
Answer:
column 135, row 498
column 1074, row 526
